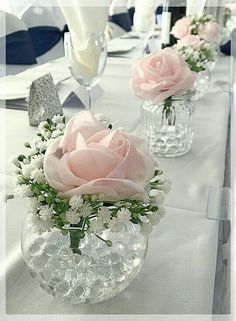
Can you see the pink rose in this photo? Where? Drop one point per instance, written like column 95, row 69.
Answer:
column 181, row 28
column 209, row 31
column 190, row 41
column 161, row 75
column 91, row 159
column 232, row 8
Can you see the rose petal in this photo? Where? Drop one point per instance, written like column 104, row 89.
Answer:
column 113, row 189
column 90, row 164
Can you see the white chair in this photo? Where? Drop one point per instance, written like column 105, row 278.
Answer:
column 18, row 31
column 118, row 6
column 116, row 30
column 119, row 14
column 35, row 16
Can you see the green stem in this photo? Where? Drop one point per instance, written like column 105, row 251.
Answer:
column 108, row 242
column 167, row 111
column 74, row 241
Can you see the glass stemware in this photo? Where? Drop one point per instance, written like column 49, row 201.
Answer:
column 86, row 63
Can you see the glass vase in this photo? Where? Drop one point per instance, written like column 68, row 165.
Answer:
column 97, row 274
column 201, row 84
column 168, row 126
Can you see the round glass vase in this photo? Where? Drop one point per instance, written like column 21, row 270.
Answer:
column 168, row 126
column 201, row 84
column 97, row 274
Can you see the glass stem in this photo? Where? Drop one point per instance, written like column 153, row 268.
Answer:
column 89, row 91
column 169, row 112
column 74, row 241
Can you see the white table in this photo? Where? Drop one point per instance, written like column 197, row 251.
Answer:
column 178, row 275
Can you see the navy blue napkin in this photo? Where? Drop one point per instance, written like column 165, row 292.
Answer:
column 18, row 47
column 45, row 37
column 123, row 20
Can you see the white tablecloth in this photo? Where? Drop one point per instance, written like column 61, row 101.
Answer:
column 178, row 275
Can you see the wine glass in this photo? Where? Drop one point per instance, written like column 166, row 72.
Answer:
column 86, row 63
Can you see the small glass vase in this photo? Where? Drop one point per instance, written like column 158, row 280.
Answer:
column 97, row 274
column 168, row 126
column 202, row 84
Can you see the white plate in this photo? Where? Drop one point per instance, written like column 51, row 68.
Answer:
column 13, row 87
column 17, row 86
column 119, row 46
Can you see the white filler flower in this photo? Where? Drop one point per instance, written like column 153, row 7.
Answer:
column 96, row 227
column 124, row 215
column 76, row 201
column 104, row 214
column 26, row 170
column 45, row 213
column 72, row 217
column 40, row 226
column 85, row 210
column 22, row 191
column 38, row 175
column 115, row 225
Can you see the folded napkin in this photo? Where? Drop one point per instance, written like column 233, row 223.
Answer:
column 195, row 8
column 16, row 47
column 144, row 16
column 85, row 23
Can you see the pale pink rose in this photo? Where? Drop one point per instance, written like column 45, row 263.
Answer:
column 193, row 41
column 161, row 75
column 209, row 31
column 232, row 8
column 91, row 159
column 181, row 28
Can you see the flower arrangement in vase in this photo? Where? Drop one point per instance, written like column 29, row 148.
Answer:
column 198, row 54
column 206, row 27
column 164, row 81
column 94, row 197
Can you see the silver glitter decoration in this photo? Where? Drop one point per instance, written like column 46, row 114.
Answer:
column 43, row 100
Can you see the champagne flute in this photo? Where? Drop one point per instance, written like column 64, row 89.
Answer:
column 86, row 63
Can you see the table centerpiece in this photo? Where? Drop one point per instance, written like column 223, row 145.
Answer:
column 94, row 196
column 163, row 80
column 198, row 54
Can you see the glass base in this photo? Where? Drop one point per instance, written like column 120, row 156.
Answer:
column 98, row 274
column 171, row 141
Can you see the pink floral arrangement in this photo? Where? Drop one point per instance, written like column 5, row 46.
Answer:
column 90, row 159
column 193, row 41
column 89, row 177
column 181, row 28
column 209, row 31
column 205, row 27
column 196, row 52
column 161, row 75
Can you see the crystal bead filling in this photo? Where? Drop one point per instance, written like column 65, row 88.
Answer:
column 201, row 84
column 168, row 128
column 99, row 273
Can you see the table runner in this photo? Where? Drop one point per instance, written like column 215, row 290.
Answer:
column 180, row 267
